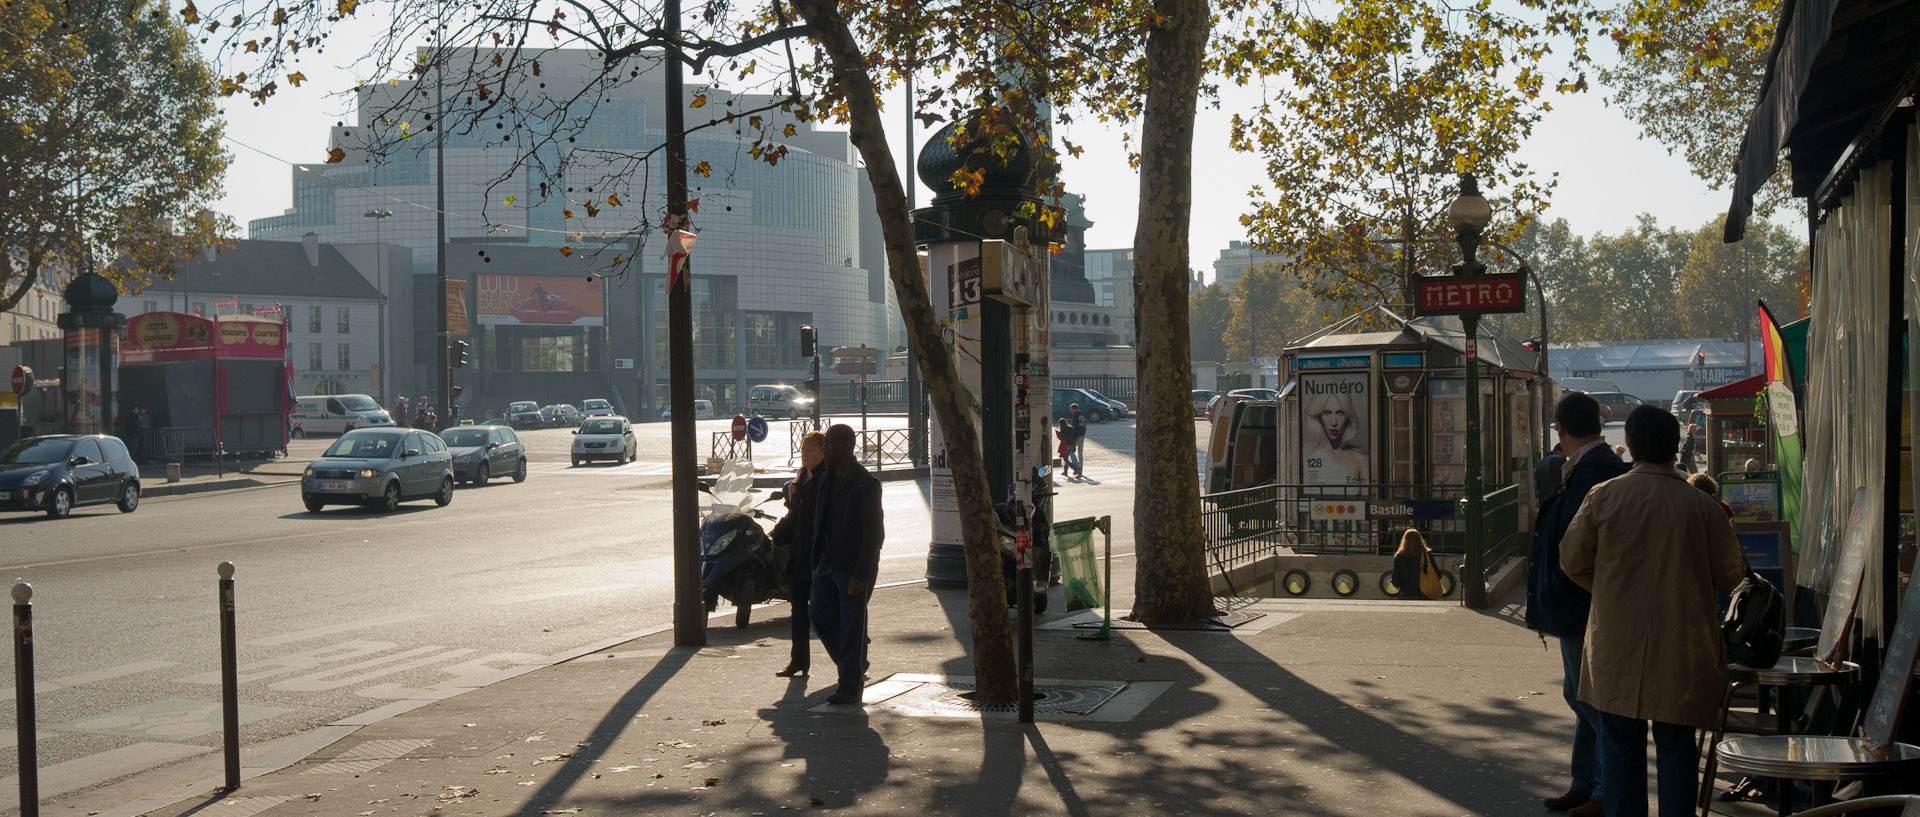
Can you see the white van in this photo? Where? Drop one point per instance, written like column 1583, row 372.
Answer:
column 335, row 414
column 778, row 399
column 702, row 410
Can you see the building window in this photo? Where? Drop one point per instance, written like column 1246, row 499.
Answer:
column 150, row 306
column 346, row 356
column 313, row 357
column 773, row 339
column 345, row 325
column 313, row 320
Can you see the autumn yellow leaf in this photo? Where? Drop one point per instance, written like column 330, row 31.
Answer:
column 566, row 214
column 693, row 205
column 788, row 131
column 614, row 199
column 699, row 101
column 190, row 15
column 336, row 156
column 703, row 168
column 566, row 250
column 347, row 7
column 253, row 46
column 592, row 210
column 510, row 200
column 296, row 78
column 279, row 17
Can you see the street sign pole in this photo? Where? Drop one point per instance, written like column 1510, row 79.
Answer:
column 1473, row 572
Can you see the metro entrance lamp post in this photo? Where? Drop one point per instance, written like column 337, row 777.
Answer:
column 1468, row 215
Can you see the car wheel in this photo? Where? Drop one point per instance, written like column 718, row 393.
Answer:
column 793, row 414
column 60, row 504
column 521, row 474
column 481, row 480
column 445, row 497
column 298, row 434
column 1097, row 416
column 576, row 462
column 129, row 497
column 314, row 505
column 390, row 500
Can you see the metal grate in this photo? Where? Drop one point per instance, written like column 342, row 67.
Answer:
column 954, row 698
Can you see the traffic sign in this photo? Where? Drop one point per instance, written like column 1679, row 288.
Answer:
column 855, row 366
column 739, row 426
column 856, row 351
column 22, row 380
column 757, row 429
column 1479, row 294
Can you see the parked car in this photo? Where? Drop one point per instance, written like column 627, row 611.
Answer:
column 1213, row 406
column 59, row 472
column 479, row 452
column 596, row 407
column 778, row 399
column 382, row 467
column 1116, row 409
column 1201, row 397
column 702, row 410
column 524, row 414
column 1682, row 401
column 1093, row 408
column 336, row 414
column 1617, row 404
column 605, row 438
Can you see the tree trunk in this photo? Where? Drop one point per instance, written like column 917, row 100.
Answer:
column 1171, row 586
column 993, row 665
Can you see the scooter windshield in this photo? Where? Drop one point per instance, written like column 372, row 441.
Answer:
column 734, row 486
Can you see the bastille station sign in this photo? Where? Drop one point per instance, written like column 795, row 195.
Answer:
column 1476, row 294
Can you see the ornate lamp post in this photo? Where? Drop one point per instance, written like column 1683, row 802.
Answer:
column 1469, row 214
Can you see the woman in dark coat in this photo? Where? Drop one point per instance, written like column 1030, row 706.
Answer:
column 1407, row 560
column 793, row 533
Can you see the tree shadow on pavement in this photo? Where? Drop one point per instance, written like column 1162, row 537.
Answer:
column 616, row 720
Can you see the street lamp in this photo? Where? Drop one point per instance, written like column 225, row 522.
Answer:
column 379, row 217
column 1469, row 214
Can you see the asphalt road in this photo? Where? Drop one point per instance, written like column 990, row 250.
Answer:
column 344, row 611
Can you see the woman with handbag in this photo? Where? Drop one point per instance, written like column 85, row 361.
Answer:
column 794, row 532
column 1413, row 568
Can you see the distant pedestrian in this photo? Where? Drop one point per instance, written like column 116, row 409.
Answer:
column 1686, row 449
column 1065, row 450
column 1078, row 422
column 400, row 415
column 1407, row 562
column 793, row 534
column 1711, row 488
column 1653, row 551
column 143, row 423
column 848, row 530
column 1556, row 606
column 420, row 409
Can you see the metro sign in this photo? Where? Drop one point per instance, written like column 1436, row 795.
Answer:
column 1462, row 294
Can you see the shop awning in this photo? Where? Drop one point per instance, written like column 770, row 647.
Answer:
column 1745, row 387
column 1835, row 72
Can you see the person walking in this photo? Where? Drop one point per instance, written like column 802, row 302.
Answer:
column 1653, row 550
column 1556, row 606
column 400, row 415
column 849, row 528
column 1078, row 422
column 787, row 536
column 420, row 410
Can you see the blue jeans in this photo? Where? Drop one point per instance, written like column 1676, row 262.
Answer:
column 1677, row 761
column 840, row 621
column 1588, row 764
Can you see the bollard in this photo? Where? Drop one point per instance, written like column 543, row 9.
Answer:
column 229, row 677
column 23, row 698
column 173, row 472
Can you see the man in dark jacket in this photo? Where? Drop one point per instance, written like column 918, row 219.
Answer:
column 1558, row 607
column 848, row 529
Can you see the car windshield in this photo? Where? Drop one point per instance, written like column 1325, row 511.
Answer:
column 596, row 404
column 465, row 437
column 359, row 402
column 524, row 406
column 363, row 447
column 37, row 452
column 600, row 427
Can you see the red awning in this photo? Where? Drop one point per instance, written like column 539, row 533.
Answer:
column 1747, row 387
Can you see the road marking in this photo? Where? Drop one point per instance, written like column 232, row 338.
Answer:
column 581, row 591
column 90, row 677
column 368, row 756
column 650, row 469
column 171, row 719
column 297, row 662
column 332, row 678
column 242, row 806
column 94, row 769
column 302, row 635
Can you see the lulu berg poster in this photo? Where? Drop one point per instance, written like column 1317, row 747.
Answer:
column 1335, row 443
column 549, row 300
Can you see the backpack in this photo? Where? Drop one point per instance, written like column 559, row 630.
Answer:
column 1754, row 628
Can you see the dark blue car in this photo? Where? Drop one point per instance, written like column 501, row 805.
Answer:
column 56, row 473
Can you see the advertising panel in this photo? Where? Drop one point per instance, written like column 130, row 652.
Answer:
column 457, row 307
column 538, row 300
column 1336, row 444
column 163, row 336
column 956, row 297
column 249, row 337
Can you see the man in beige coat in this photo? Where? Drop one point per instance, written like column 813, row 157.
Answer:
column 1653, row 550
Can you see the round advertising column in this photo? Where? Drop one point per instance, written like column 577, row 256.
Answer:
column 92, row 378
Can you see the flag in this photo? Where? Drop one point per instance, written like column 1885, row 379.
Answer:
column 1783, row 421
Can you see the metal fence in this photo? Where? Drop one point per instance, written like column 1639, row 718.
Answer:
column 181, row 442
column 1506, row 525
column 1121, row 388
column 878, row 448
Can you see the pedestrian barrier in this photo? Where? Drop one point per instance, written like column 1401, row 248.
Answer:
column 878, row 447
column 181, row 442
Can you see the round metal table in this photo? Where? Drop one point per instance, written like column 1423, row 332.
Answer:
column 1812, row 757
column 1793, row 671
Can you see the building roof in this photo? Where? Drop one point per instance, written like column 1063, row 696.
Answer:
column 270, row 269
column 1646, row 354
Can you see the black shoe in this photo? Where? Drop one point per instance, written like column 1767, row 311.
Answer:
column 1565, row 802
column 792, row 670
column 843, row 700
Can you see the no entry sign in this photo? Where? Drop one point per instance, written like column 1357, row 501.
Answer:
column 22, row 380
column 739, row 426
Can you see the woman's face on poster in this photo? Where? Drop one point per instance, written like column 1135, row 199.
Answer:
column 1334, row 421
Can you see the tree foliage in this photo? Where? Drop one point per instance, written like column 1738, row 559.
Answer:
column 1270, row 309
column 109, row 143
column 1373, row 109
column 1211, row 309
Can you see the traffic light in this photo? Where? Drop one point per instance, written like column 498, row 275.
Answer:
column 807, row 348
column 455, row 394
column 457, row 354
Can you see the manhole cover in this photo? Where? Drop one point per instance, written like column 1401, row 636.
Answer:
column 1221, row 623
column 956, row 698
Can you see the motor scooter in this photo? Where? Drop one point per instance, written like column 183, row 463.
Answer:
column 738, row 560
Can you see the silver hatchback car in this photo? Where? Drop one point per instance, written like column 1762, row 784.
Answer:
column 381, row 467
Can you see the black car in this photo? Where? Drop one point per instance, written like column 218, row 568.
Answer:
column 60, row 472
column 481, row 452
column 525, row 414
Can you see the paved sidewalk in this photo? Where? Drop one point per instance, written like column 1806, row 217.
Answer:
column 1316, row 708
column 200, row 476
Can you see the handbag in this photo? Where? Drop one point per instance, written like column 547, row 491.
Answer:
column 1430, row 578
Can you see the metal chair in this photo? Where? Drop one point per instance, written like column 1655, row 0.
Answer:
column 1887, row 803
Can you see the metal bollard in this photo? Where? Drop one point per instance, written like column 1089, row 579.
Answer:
column 23, row 699
column 229, row 677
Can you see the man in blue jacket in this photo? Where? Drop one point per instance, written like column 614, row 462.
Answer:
column 1558, row 607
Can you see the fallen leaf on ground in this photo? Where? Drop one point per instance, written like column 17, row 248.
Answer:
column 815, row 801
column 495, row 771
column 449, row 794
column 713, row 723
column 553, row 758
column 698, row 764
column 574, row 810
column 468, row 725
column 312, row 796
column 536, row 736
column 712, row 781
column 623, row 768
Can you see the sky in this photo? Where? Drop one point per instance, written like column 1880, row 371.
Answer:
column 1609, row 174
